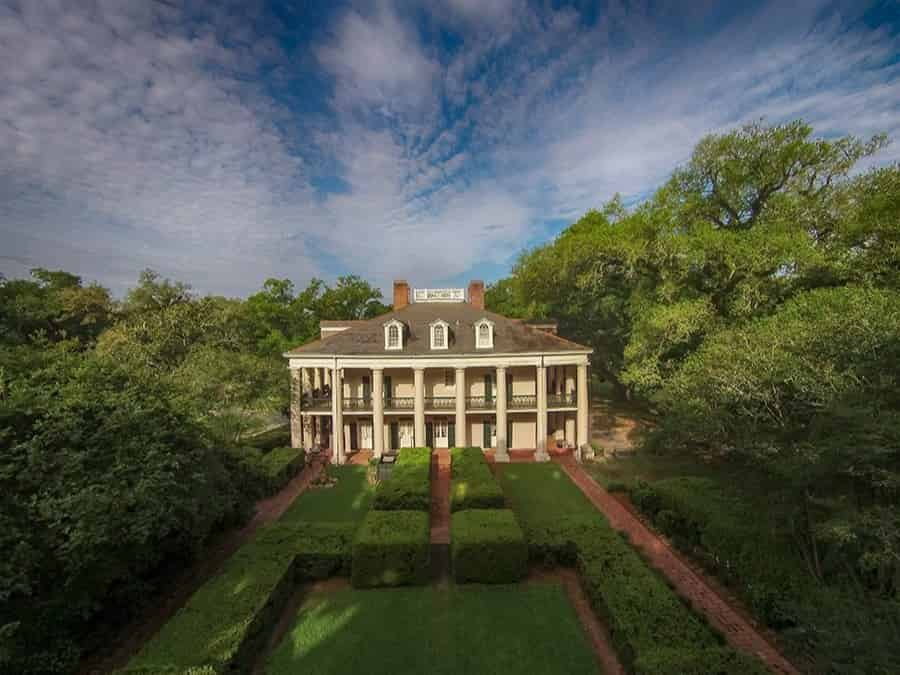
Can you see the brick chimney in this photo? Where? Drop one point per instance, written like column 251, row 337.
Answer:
column 401, row 294
column 476, row 294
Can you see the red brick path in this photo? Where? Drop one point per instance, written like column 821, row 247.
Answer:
column 440, row 496
column 688, row 583
column 204, row 568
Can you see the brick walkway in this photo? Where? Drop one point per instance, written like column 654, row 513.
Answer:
column 689, row 584
column 440, row 515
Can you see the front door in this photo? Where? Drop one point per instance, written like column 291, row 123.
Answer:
column 365, row 435
column 490, row 434
column 441, row 434
column 407, row 434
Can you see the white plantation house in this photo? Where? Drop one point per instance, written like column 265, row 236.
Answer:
column 439, row 371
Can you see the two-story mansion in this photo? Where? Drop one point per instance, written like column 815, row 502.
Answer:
column 439, row 371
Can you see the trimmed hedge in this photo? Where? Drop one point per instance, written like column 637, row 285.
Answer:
column 652, row 630
column 487, row 546
column 223, row 624
column 269, row 471
column 391, row 549
column 473, row 485
column 409, row 487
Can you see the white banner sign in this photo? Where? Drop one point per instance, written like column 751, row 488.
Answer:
column 439, row 295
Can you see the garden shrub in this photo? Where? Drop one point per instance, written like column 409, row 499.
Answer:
column 414, row 456
column 692, row 661
column 320, row 549
column 555, row 542
column 391, row 549
column 487, row 546
column 407, row 489
column 268, row 472
column 473, row 485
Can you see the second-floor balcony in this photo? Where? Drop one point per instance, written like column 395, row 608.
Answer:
column 521, row 401
column 480, row 402
column 440, row 402
column 316, row 403
column 561, row 400
column 394, row 403
column 358, row 403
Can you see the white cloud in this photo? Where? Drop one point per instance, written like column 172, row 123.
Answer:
column 131, row 135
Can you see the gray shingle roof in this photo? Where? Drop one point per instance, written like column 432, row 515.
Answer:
column 367, row 337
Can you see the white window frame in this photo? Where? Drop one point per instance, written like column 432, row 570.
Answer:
column 479, row 343
column 446, row 329
column 387, row 335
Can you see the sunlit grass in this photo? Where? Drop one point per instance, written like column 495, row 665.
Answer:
column 347, row 501
column 472, row 629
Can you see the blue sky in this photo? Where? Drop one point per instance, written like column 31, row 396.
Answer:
column 226, row 142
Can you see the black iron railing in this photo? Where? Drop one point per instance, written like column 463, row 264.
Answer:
column 316, row 403
column 561, row 400
column 522, row 401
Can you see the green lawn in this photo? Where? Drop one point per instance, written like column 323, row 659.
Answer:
column 348, row 501
column 538, row 492
column 472, row 629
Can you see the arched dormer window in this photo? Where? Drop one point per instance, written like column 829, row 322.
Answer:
column 484, row 334
column 393, row 335
column 440, row 334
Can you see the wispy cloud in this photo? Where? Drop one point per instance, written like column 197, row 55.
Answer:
column 188, row 137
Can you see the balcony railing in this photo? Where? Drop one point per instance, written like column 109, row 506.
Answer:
column 440, row 402
column 561, row 400
column 399, row 403
column 358, row 403
column 316, row 403
column 481, row 402
column 519, row 401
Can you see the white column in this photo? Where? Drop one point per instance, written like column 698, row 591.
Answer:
column 570, row 430
column 419, row 379
column 317, row 379
column 308, row 431
column 337, row 416
column 460, row 385
column 540, row 454
column 583, row 415
column 570, row 381
column 501, row 454
column 296, row 410
column 326, row 379
column 378, row 411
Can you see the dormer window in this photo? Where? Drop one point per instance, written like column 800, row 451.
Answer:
column 393, row 335
column 440, row 334
column 484, row 334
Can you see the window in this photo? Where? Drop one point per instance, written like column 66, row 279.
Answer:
column 393, row 335
column 440, row 334
column 440, row 429
column 484, row 334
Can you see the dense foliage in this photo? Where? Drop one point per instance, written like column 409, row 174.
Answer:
column 487, row 547
column 392, row 548
column 123, row 428
column 752, row 303
column 472, row 486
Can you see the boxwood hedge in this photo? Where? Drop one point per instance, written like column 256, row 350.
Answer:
column 391, row 549
column 221, row 627
column 408, row 488
column 487, row 546
column 473, row 485
column 269, row 471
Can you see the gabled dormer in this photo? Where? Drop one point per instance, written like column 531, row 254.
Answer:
column 484, row 334
column 394, row 335
column 440, row 334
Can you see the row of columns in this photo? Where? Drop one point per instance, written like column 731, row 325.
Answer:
column 301, row 381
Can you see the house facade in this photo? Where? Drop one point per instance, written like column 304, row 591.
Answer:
column 439, row 371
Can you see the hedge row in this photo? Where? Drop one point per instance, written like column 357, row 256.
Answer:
column 473, row 486
column 408, row 488
column 269, row 471
column 223, row 624
column 391, row 549
column 487, row 547
column 652, row 630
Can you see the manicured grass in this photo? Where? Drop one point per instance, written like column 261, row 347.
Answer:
column 541, row 492
column 348, row 501
column 532, row 630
